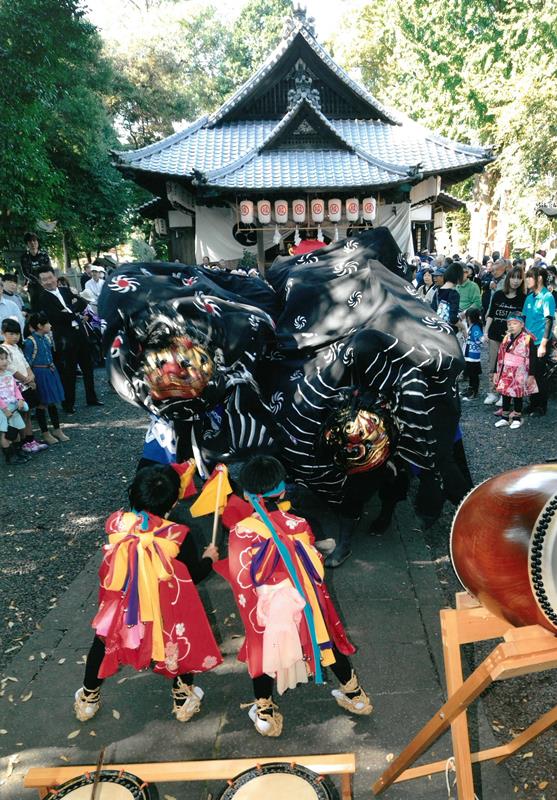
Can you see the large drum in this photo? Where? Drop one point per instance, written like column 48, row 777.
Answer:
column 112, row 785
column 278, row 781
column 504, row 545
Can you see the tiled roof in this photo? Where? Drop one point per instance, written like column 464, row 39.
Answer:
column 233, row 149
column 307, row 169
column 254, row 154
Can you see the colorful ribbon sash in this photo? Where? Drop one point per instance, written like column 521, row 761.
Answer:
column 305, row 571
column 139, row 559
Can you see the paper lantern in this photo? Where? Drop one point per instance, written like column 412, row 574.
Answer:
column 299, row 210
column 281, row 211
column 264, row 211
column 369, row 207
column 246, row 212
column 161, row 226
column 335, row 210
column 317, row 210
column 352, row 209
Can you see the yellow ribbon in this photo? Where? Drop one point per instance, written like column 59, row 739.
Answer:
column 150, row 570
column 259, row 527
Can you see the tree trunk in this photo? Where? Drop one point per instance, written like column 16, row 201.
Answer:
column 66, row 251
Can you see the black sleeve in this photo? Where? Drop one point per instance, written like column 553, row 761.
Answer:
column 548, row 328
column 454, row 303
column 533, row 355
column 188, row 555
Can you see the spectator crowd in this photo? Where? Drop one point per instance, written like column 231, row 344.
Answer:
column 507, row 307
column 49, row 335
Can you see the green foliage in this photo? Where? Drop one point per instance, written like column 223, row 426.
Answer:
column 189, row 68
column 248, row 260
column 56, row 164
column 478, row 71
column 256, row 33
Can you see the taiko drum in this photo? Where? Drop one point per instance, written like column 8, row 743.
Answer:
column 504, row 545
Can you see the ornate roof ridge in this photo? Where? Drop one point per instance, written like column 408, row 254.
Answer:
column 345, row 77
column 129, row 156
column 233, row 166
column 408, row 170
column 289, row 116
column 273, row 58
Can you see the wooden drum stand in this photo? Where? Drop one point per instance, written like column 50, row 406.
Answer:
column 524, row 651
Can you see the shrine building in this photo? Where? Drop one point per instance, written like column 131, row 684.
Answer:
column 299, row 151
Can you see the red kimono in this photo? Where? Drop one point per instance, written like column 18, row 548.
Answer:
column 149, row 609
column 514, row 376
column 250, row 541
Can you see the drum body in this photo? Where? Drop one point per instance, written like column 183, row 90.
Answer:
column 504, row 545
column 112, row 785
column 278, row 781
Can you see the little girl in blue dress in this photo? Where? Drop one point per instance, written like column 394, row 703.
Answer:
column 38, row 352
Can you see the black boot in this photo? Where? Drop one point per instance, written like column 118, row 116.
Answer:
column 16, row 456
column 343, row 550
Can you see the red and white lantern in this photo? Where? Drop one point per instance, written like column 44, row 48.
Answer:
column 335, row 209
column 352, row 209
column 281, row 212
column 264, row 211
column 369, row 208
column 299, row 210
column 246, row 212
column 317, row 210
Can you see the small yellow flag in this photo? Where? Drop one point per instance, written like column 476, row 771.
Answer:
column 216, row 485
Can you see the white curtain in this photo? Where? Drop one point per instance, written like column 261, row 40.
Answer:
column 396, row 217
column 213, row 231
column 213, row 235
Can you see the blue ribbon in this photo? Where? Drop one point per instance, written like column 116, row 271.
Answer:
column 291, row 569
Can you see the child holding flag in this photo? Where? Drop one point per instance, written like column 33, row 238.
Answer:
column 150, row 612
column 292, row 628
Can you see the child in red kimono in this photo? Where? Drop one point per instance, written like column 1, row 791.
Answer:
column 514, row 378
column 149, row 612
column 292, row 627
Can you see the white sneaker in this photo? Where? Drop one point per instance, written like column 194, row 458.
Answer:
column 499, row 402
column 490, row 399
column 325, row 546
column 502, row 423
column 516, row 423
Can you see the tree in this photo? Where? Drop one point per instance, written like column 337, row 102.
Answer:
column 479, row 71
column 256, row 33
column 56, row 164
column 190, row 68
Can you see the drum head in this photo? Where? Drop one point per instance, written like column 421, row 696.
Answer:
column 278, row 781
column 112, row 785
column 542, row 561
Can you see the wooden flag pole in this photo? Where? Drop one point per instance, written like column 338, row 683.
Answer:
column 216, row 516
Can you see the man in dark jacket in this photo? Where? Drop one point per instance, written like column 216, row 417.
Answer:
column 31, row 261
column 70, row 340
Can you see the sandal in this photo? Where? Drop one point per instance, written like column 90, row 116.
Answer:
column 352, row 697
column 265, row 716
column 186, row 700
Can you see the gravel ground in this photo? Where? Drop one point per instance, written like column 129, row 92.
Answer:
column 53, row 511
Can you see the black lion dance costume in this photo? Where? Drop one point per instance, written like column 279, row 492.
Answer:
column 334, row 364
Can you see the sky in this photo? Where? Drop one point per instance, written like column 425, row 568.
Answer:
column 113, row 18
